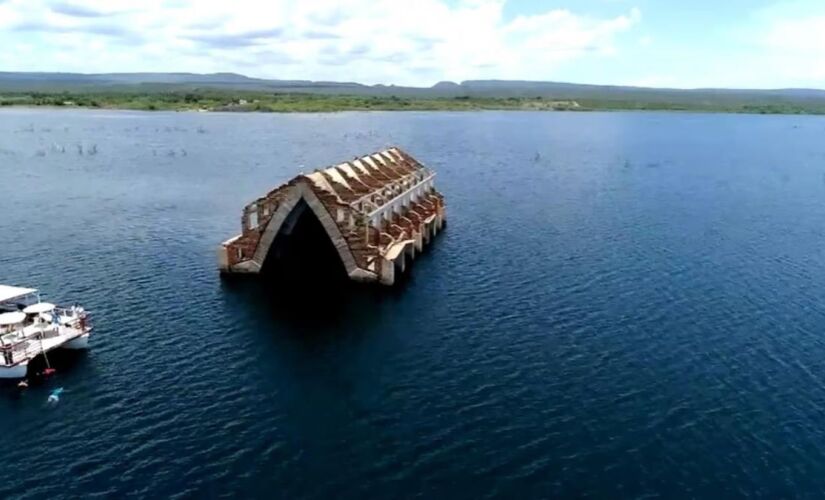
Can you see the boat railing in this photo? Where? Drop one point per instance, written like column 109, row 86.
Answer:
column 77, row 318
column 15, row 353
column 15, row 342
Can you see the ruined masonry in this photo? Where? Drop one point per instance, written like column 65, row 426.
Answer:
column 378, row 211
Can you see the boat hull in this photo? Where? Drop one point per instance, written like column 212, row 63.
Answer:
column 16, row 371
column 81, row 342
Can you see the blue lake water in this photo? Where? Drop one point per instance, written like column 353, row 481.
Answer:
column 623, row 305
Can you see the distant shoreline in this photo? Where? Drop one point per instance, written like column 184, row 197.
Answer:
column 404, row 110
column 235, row 92
column 224, row 101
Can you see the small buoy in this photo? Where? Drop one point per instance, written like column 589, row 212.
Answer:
column 48, row 371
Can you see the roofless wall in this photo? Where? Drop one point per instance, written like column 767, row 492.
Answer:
column 378, row 211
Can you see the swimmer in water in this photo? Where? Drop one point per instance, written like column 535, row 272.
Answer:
column 54, row 397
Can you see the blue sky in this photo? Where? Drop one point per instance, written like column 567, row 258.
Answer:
column 699, row 43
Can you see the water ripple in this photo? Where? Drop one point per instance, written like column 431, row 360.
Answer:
column 636, row 315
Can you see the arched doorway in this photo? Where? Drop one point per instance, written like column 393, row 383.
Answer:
column 302, row 251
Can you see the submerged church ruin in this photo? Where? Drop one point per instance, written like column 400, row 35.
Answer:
column 364, row 219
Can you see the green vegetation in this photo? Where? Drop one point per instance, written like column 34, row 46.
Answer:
column 227, row 100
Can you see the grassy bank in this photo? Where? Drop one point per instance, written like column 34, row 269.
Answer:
column 296, row 102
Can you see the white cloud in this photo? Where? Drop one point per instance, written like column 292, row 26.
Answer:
column 796, row 48
column 370, row 41
column 779, row 46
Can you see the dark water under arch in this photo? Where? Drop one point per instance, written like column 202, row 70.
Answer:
column 302, row 253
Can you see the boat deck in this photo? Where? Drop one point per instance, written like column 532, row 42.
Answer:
column 33, row 346
column 30, row 327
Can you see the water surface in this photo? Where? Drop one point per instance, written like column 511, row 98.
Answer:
column 624, row 304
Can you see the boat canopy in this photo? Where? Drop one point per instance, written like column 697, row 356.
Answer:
column 13, row 292
column 40, row 307
column 12, row 318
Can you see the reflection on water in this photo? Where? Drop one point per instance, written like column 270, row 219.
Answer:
column 303, row 306
column 66, row 362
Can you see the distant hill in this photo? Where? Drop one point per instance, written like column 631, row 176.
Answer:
column 511, row 88
column 604, row 95
column 56, row 82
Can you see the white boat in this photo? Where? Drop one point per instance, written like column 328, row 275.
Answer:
column 29, row 328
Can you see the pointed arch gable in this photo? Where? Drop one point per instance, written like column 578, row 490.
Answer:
column 350, row 203
column 301, row 191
